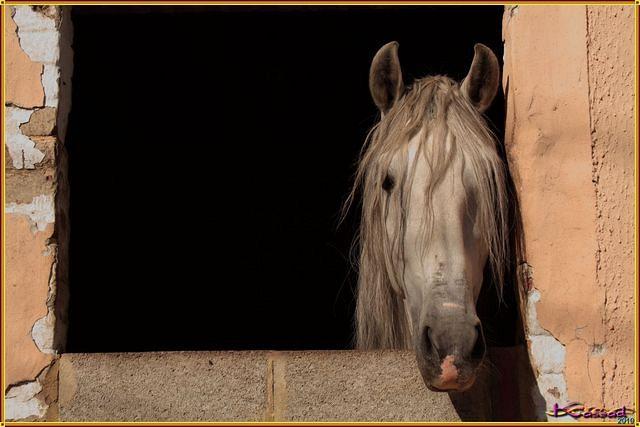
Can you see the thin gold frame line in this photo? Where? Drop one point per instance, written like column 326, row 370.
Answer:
column 2, row 215
column 325, row 3
column 266, row 3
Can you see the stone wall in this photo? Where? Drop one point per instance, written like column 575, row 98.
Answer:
column 38, row 77
column 568, row 78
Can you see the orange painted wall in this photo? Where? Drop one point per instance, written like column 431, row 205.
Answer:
column 568, row 77
column 38, row 71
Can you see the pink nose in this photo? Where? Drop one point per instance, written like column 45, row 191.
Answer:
column 448, row 378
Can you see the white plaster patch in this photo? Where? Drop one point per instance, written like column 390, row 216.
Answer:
column 548, row 354
column 555, row 388
column 38, row 35
column 40, row 211
column 534, row 327
column 40, row 39
column 43, row 333
column 21, row 402
column 43, row 330
column 50, row 77
column 22, row 150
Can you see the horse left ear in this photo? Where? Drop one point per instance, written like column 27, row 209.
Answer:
column 481, row 84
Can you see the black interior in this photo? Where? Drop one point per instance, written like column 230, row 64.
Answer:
column 211, row 149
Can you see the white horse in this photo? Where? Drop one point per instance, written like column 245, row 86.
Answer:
column 434, row 211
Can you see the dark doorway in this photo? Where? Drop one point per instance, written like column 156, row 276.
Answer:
column 211, row 149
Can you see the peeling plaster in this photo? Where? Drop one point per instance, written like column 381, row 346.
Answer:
column 43, row 331
column 22, row 150
column 24, row 86
column 50, row 77
column 40, row 211
column 39, row 38
column 548, row 140
column 38, row 35
column 21, row 401
column 548, row 355
column 44, row 36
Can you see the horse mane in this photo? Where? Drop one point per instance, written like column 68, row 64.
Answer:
column 433, row 106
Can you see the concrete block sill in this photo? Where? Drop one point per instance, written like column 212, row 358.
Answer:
column 247, row 386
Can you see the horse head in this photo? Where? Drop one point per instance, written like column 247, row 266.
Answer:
column 433, row 214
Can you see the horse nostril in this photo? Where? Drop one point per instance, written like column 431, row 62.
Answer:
column 478, row 350
column 428, row 341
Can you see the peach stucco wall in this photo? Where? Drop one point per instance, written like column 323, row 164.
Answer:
column 37, row 99
column 611, row 99
column 568, row 77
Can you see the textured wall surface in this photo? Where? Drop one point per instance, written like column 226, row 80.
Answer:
column 38, row 71
column 568, row 78
column 610, row 45
column 248, row 386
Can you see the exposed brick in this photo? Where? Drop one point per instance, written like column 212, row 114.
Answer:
column 47, row 146
column 22, row 185
column 41, row 123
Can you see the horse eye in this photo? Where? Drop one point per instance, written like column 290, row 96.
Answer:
column 387, row 184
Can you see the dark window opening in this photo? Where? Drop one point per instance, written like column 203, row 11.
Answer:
column 211, row 149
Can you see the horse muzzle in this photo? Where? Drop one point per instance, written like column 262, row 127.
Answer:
column 449, row 358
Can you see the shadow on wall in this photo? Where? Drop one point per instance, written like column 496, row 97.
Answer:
column 510, row 383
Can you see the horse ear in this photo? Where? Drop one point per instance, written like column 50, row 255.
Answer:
column 481, row 84
column 385, row 77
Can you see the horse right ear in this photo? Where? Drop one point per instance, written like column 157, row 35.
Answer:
column 385, row 77
column 481, row 84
